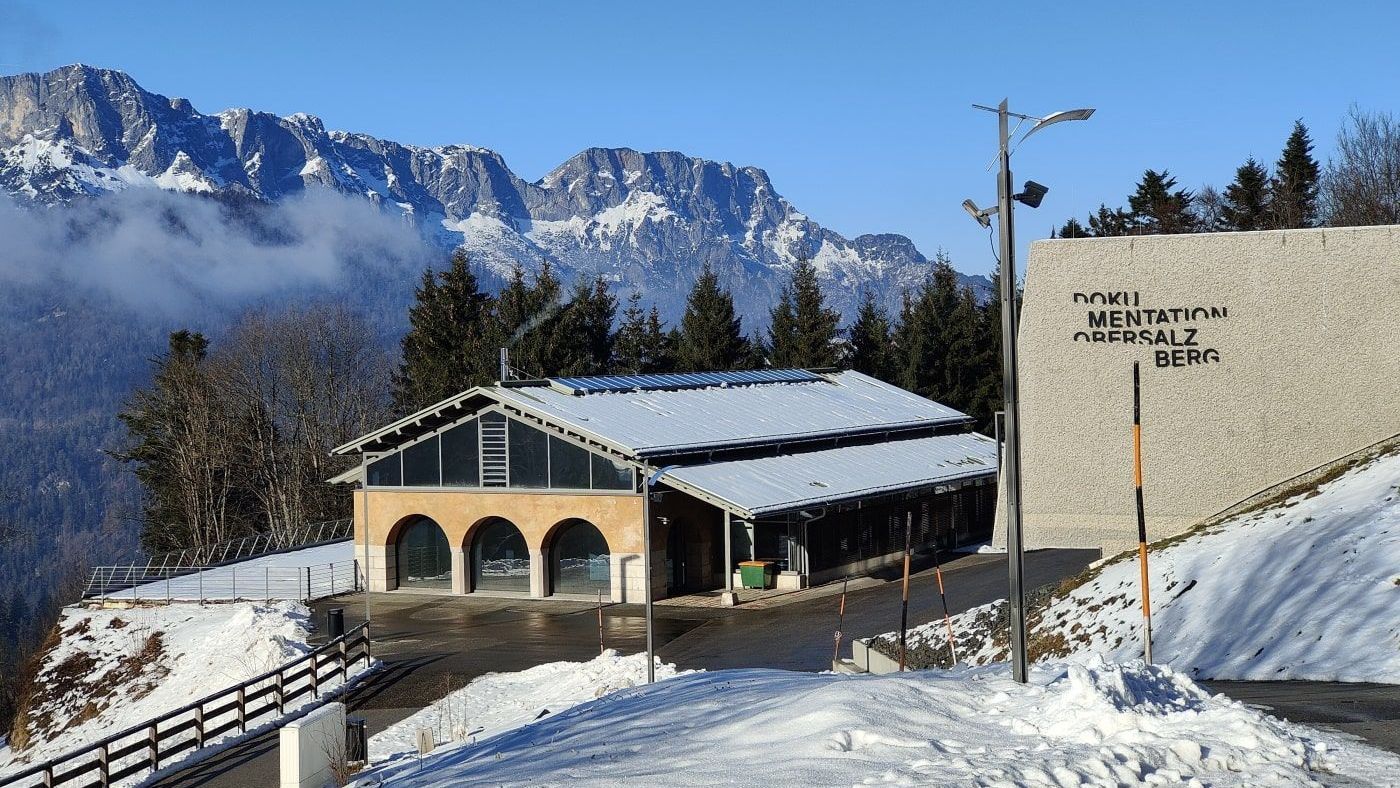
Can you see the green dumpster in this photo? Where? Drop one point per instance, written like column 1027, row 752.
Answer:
column 756, row 574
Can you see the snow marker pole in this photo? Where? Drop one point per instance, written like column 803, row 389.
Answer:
column 1141, row 518
column 840, row 622
column 904, row 605
column 947, row 620
column 600, row 623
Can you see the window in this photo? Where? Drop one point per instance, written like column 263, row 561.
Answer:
column 568, row 465
column 500, row 559
column 386, row 472
column 581, row 561
column 609, row 475
column 528, row 456
column 460, row 457
column 420, row 464
column 424, row 559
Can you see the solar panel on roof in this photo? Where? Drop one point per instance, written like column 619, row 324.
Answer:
column 684, row 380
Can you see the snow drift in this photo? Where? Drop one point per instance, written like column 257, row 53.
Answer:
column 1092, row 724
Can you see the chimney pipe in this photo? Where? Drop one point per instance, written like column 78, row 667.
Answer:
column 505, row 365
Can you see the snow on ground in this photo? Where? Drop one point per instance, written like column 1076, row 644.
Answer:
column 277, row 576
column 113, row 669
column 1091, row 724
column 498, row 702
column 1308, row 588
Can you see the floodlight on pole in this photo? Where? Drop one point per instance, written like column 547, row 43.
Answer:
column 1011, row 454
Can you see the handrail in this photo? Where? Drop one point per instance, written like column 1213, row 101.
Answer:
column 341, row 647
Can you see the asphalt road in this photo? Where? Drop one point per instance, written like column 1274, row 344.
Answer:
column 431, row 645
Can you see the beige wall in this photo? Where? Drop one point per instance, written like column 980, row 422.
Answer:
column 460, row 513
column 1304, row 369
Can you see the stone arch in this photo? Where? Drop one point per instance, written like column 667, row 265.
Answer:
column 580, row 559
column 422, row 554
column 498, row 556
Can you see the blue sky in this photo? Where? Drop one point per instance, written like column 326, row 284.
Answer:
column 859, row 111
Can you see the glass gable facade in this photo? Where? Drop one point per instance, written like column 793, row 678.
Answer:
column 534, row 459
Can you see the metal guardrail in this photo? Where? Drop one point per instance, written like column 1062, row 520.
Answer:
column 143, row 748
column 223, row 583
column 107, row 579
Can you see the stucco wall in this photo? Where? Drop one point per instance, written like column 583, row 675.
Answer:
column 536, row 514
column 1298, row 365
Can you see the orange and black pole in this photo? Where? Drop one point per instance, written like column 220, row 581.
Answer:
column 947, row 619
column 840, row 622
column 904, row 607
column 1141, row 518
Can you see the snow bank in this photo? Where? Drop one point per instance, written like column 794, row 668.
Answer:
column 499, row 702
column 1308, row 588
column 1072, row 725
column 112, row 669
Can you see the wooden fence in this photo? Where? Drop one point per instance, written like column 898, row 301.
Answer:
column 155, row 743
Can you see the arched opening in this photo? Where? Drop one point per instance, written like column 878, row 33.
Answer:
column 580, row 562
column 500, row 558
column 423, row 557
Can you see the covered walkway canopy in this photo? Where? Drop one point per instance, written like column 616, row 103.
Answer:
column 765, row 486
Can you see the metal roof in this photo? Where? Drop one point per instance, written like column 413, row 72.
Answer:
column 682, row 380
column 659, row 422
column 771, row 485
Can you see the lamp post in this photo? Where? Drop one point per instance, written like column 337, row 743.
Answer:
column 1011, row 464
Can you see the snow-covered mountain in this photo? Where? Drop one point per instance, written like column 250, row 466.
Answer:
column 642, row 220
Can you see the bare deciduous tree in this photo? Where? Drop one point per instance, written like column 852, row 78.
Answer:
column 1362, row 184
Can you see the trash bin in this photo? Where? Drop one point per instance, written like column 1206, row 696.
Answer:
column 335, row 622
column 355, row 740
column 756, row 574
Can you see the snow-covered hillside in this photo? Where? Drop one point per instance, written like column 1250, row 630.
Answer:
column 1089, row 724
column 498, row 702
column 1306, row 588
column 108, row 670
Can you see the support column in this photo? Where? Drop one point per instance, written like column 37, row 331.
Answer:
column 728, row 552
column 461, row 583
column 539, row 572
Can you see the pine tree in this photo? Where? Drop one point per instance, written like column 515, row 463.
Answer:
column 986, row 396
column 641, row 344
column 871, row 349
column 803, row 330
column 582, row 339
column 1246, row 204
column 711, row 334
column 1157, row 209
column 1109, row 223
column 1071, row 229
column 1294, row 187
column 527, row 321
column 928, row 368
column 449, row 346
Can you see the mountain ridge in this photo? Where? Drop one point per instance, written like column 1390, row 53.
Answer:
column 642, row 220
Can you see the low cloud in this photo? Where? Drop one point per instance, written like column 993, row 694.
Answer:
column 176, row 253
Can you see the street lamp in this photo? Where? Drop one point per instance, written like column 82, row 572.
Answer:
column 1011, row 465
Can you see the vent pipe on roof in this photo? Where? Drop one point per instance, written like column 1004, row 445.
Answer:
column 505, row 364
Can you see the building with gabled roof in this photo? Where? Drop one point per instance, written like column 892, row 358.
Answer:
column 534, row 488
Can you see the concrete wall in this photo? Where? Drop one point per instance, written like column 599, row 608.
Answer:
column 1298, row 365
column 460, row 512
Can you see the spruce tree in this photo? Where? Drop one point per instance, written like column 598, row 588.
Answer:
column 1071, row 229
column 581, row 342
column 1246, row 204
column 928, row 368
column 527, row 321
column 641, row 344
column 986, row 396
column 803, row 331
column 1157, row 209
column 449, row 346
column 1108, row 223
column 871, row 349
column 1294, row 187
column 711, row 334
